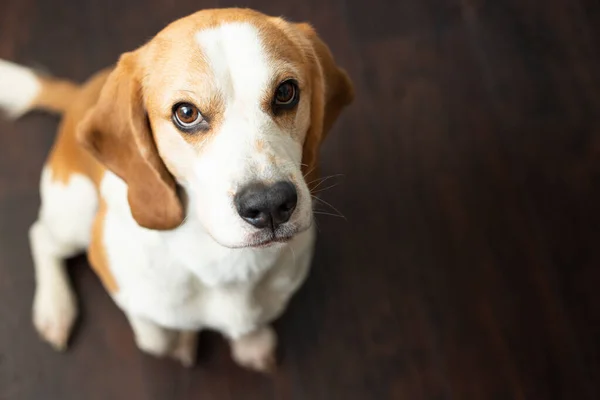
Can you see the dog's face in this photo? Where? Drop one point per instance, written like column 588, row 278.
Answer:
column 230, row 104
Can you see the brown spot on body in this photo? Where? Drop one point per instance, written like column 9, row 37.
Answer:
column 97, row 253
column 67, row 157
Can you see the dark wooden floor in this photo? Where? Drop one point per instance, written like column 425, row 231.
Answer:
column 468, row 267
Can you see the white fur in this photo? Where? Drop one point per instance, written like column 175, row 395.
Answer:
column 184, row 280
column 63, row 229
column 19, row 87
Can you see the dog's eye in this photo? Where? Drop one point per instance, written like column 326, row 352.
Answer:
column 286, row 96
column 186, row 116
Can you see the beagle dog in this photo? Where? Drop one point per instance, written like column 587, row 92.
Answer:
column 184, row 172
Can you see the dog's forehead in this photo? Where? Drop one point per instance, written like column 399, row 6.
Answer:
column 243, row 40
column 235, row 56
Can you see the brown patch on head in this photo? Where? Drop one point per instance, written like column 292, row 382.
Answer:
column 288, row 53
column 175, row 72
column 260, row 145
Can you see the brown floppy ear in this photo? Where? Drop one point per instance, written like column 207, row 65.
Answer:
column 117, row 132
column 332, row 90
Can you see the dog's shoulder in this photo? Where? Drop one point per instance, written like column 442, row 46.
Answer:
column 68, row 157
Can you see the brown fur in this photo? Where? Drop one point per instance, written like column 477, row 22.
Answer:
column 56, row 95
column 97, row 253
column 67, row 157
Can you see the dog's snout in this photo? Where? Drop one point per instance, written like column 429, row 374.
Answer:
column 266, row 206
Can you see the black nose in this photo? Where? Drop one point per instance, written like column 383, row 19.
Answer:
column 266, row 206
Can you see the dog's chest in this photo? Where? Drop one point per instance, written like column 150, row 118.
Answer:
column 183, row 279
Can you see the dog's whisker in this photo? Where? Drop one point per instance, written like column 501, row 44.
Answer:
column 331, row 206
column 319, row 211
column 310, row 170
column 308, row 173
column 330, row 214
column 322, row 179
column 324, row 189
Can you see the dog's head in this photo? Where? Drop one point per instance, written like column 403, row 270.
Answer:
column 231, row 105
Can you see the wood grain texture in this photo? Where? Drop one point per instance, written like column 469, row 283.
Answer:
column 468, row 264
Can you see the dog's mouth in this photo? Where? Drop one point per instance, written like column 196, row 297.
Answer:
column 265, row 238
column 270, row 240
column 270, row 237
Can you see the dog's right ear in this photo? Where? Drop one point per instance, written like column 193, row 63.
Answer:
column 332, row 91
column 117, row 132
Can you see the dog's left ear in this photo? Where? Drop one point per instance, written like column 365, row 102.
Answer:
column 332, row 90
column 116, row 131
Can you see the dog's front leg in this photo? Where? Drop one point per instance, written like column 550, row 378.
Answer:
column 54, row 306
column 256, row 350
column 162, row 342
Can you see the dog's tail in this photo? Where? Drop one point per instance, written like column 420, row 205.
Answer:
column 22, row 89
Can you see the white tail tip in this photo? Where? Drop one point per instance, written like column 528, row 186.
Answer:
column 19, row 87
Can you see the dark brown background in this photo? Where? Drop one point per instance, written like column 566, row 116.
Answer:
column 468, row 264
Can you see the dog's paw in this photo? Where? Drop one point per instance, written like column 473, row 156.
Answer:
column 256, row 351
column 54, row 313
column 185, row 348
